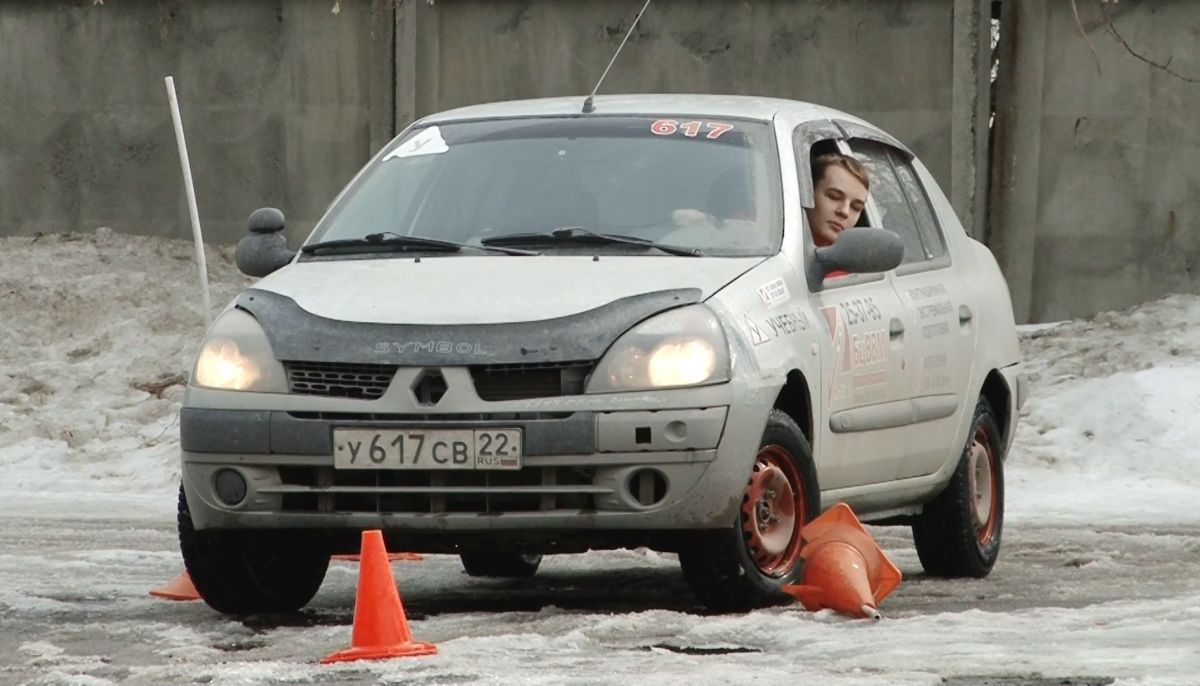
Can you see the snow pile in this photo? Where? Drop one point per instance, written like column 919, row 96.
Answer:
column 97, row 334
column 1108, row 431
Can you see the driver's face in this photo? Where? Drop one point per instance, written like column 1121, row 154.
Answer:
column 840, row 199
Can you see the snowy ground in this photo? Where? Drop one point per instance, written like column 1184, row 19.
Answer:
column 1099, row 581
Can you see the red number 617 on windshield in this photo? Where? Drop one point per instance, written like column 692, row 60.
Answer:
column 691, row 129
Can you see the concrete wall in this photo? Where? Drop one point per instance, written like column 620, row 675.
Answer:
column 917, row 68
column 276, row 102
column 283, row 101
column 1096, row 186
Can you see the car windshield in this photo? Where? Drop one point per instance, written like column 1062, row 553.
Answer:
column 708, row 184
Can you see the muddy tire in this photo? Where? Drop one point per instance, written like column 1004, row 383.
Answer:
column 502, row 563
column 958, row 533
column 247, row 572
column 745, row 565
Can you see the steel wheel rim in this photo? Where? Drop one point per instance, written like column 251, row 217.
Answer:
column 773, row 511
column 983, row 484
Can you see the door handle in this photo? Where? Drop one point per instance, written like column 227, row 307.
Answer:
column 964, row 314
column 895, row 327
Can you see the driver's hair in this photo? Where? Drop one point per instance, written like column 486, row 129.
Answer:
column 822, row 162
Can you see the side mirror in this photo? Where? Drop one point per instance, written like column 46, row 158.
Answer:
column 861, row 250
column 265, row 249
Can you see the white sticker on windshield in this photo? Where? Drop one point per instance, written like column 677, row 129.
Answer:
column 428, row 142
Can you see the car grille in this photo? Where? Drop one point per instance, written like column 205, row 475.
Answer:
column 531, row 489
column 367, row 381
column 492, row 382
column 516, row 381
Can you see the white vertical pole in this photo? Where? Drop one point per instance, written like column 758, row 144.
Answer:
column 191, row 196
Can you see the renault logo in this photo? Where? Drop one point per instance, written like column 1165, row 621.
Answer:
column 429, row 387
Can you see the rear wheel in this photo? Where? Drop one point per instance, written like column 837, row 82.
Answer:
column 500, row 563
column 245, row 572
column 958, row 534
column 745, row 565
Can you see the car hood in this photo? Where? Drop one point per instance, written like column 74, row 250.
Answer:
column 489, row 289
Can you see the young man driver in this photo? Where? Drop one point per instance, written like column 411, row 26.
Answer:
column 840, row 187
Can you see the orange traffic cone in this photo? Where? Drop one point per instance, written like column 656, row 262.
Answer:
column 179, row 588
column 392, row 557
column 380, row 627
column 844, row 569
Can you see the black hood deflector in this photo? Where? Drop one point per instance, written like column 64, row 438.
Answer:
column 298, row 335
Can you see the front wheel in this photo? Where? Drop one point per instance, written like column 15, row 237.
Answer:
column 958, row 533
column 746, row 565
column 247, row 572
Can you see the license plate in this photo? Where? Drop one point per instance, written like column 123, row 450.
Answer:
column 427, row 448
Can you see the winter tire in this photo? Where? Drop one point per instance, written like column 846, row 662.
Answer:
column 246, row 572
column 746, row 565
column 958, row 533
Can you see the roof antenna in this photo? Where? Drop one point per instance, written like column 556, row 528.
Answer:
column 588, row 107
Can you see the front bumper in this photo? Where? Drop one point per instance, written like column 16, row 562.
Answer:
column 591, row 464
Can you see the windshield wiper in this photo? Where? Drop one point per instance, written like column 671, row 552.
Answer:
column 580, row 235
column 397, row 242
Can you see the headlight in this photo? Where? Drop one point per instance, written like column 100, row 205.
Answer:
column 236, row 356
column 683, row 347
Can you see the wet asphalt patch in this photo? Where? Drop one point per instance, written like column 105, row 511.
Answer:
column 696, row 650
column 1030, row 680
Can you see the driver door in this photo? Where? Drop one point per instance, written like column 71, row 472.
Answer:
column 861, row 436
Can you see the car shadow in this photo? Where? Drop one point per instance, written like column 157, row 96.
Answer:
column 607, row 590
column 570, row 590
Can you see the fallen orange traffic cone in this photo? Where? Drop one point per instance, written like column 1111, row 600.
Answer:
column 392, row 557
column 844, row 569
column 380, row 627
column 179, row 588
